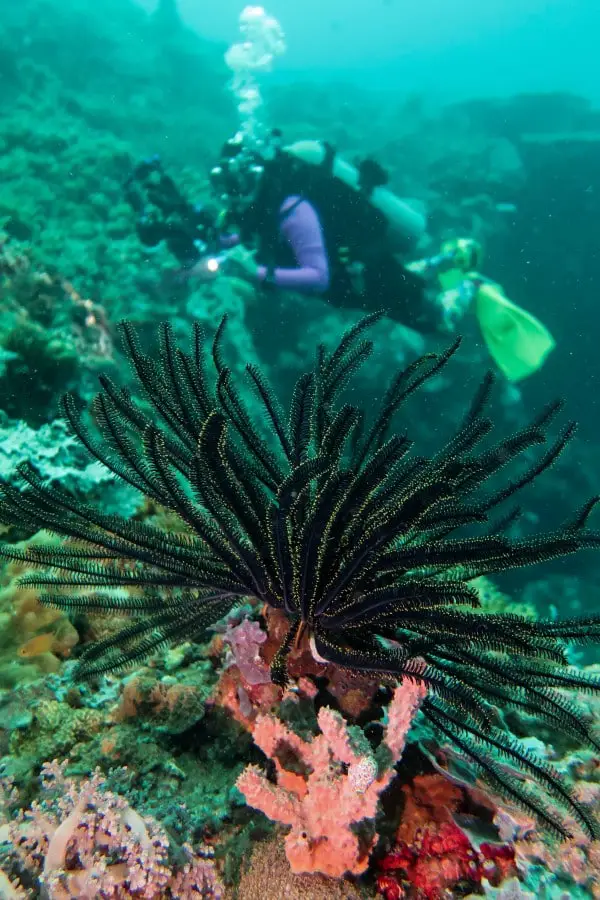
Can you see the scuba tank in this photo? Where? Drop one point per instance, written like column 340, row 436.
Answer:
column 405, row 225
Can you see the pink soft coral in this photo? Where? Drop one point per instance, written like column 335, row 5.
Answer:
column 328, row 785
column 244, row 640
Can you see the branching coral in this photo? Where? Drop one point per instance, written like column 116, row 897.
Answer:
column 329, row 786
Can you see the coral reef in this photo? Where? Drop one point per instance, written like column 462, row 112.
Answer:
column 168, row 704
column 141, row 797
column 33, row 637
column 51, row 337
column 60, row 458
column 433, row 855
column 83, row 841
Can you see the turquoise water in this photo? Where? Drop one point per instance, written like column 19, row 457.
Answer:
column 462, row 50
column 479, row 127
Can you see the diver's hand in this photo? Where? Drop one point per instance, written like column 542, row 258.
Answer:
column 240, row 263
column 205, row 270
column 455, row 303
column 236, row 263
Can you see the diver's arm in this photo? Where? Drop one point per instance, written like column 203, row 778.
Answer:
column 302, row 229
column 227, row 241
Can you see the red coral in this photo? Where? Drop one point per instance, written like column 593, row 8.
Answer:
column 433, row 855
column 389, row 888
column 437, row 861
column 497, row 862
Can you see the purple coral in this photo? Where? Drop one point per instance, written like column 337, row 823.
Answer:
column 244, row 640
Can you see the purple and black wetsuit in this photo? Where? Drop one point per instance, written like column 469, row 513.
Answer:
column 301, row 229
column 386, row 283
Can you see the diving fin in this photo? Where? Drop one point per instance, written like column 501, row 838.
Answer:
column 517, row 341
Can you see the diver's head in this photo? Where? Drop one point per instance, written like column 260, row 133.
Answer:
column 237, row 178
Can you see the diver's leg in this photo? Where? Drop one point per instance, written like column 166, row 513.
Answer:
column 403, row 295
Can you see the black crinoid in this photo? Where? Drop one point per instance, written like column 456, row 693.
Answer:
column 368, row 548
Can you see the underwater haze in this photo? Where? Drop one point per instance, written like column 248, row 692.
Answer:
column 299, row 450
column 452, row 50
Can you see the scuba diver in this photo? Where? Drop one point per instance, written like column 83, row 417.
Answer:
column 296, row 218
column 318, row 225
column 300, row 218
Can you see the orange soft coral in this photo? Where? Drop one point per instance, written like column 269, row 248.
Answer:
column 327, row 786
